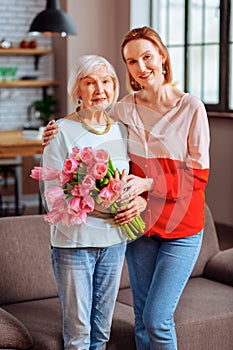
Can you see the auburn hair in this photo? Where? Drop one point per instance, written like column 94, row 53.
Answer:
column 150, row 34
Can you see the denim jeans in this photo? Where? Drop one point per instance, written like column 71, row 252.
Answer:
column 159, row 270
column 88, row 281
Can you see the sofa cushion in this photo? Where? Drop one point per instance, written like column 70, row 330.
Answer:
column 124, row 276
column 25, row 252
column 125, row 296
column 122, row 332
column 13, row 333
column 205, row 316
column 210, row 244
column 43, row 320
column 219, row 267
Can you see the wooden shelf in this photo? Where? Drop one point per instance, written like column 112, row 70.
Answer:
column 37, row 53
column 14, row 51
column 28, row 83
column 23, row 52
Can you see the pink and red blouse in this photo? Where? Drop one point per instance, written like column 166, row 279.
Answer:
column 175, row 153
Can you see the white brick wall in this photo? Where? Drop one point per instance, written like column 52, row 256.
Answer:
column 15, row 19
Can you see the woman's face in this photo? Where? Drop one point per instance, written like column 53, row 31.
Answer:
column 144, row 62
column 97, row 89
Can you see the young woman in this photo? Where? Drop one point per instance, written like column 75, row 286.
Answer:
column 169, row 149
column 88, row 258
column 168, row 143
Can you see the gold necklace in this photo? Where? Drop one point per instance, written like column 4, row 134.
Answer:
column 89, row 128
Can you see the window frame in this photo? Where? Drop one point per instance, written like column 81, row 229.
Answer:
column 224, row 60
column 223, row 106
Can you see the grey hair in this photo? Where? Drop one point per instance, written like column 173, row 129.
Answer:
column 86, row 65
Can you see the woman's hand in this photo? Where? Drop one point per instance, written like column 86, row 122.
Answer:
column 107, row 203
column 135, row 186
column 50, row 130
column 131, row 210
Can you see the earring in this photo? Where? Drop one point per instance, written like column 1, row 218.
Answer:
column 79, row 102
column 132, row 82
column 164, row 71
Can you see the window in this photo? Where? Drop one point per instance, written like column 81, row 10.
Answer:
column 231, row 61
column 199, row 36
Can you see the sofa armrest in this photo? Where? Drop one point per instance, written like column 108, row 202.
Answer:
column 13, row 334
column 220, row 267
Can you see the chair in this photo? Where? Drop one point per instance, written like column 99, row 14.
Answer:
column 8, row 169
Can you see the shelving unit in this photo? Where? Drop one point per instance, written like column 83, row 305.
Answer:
column 37, row 53
column 28, row 83
column 19, row 51
column 14, row 51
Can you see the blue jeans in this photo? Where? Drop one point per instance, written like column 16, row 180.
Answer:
column 159, row 270
column 88, row 281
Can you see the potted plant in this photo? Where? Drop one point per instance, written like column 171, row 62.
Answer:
column 46, row 108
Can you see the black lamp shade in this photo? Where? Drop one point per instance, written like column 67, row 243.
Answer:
column 53, row 20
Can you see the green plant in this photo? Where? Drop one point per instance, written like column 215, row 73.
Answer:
column 46, row 107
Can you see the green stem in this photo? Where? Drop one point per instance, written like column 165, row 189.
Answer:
column 128, row 233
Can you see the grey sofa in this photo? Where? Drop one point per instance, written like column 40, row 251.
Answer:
column 30, row 314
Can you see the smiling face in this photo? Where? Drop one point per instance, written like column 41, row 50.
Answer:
column 144, row 62
column 97, row 89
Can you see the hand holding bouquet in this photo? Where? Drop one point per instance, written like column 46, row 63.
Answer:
column 87, row 180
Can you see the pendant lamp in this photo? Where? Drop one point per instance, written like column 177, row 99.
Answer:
column 52, row 20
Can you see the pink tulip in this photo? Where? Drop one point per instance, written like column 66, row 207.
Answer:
column 69, row 220
column 36, row 173
column 79, row 191
column 101, row 156
column 106, row 194
column 53, row 216
column 75, row 206
column 99, row 170
column 65, row 177
column 53, row 195
column 88, row 204
column 56, row 215
column 86, row 155
column 116, row 185
column 70, row 165
column 89, row 182
column 75, row 209
column 75, row 153
column 81, row 218
column 49, row 174
column 44, row 173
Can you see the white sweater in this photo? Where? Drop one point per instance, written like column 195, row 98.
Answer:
column 97, row 232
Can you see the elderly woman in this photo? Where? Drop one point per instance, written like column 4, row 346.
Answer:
column 88, row 258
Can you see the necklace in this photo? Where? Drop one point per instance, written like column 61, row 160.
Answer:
column 94, row 131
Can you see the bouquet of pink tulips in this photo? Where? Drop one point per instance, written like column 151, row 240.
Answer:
column 87, row 178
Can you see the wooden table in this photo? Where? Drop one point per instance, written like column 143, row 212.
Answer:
column 12, row 145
